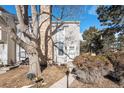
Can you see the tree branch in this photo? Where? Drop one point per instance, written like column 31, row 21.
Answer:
column 57, row 27
column 19, row 41
column 26, row 21
column 27, row 34
column 35, row 20
column 44, row 12
column 19, row 14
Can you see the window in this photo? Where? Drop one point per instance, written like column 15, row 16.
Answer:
column 22, row 54
column 71, row 47
column 71, row 50
column 60, row 49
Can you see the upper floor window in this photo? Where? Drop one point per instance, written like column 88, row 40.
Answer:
column 60, row 49
column 71, row 50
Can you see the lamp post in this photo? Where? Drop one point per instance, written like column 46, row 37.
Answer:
column 67, row 74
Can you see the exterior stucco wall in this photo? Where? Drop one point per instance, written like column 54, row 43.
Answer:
column 9, row 49
column 69, row 35
column 3, row 54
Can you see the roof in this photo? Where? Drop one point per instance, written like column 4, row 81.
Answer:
column 67, row 22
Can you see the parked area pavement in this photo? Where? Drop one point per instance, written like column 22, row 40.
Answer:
column 62, row 83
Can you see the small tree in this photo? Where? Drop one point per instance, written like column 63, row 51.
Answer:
column 108, row 41
column 120, row 41
column 83, row 46
column 93, row 40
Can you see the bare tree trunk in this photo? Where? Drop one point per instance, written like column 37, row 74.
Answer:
column 36, row 43
column 30, row 48
column 34, row 66
column 45, row 34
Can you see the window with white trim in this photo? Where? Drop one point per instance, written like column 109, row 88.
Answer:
column 60, row 49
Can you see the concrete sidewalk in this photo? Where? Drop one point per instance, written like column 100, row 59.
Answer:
column 62, row 83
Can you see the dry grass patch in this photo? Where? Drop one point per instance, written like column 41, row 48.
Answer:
column 16, row 78
column 51, row 75
column 86, row 60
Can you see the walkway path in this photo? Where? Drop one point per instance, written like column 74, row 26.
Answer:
column 62, row 83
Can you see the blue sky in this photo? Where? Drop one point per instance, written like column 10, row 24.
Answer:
column 87, row 18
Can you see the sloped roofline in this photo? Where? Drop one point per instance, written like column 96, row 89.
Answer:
column 67, row 22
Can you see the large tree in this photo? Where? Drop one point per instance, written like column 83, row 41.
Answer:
column 31, row 29
column 112, row 17
column 36, row 30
